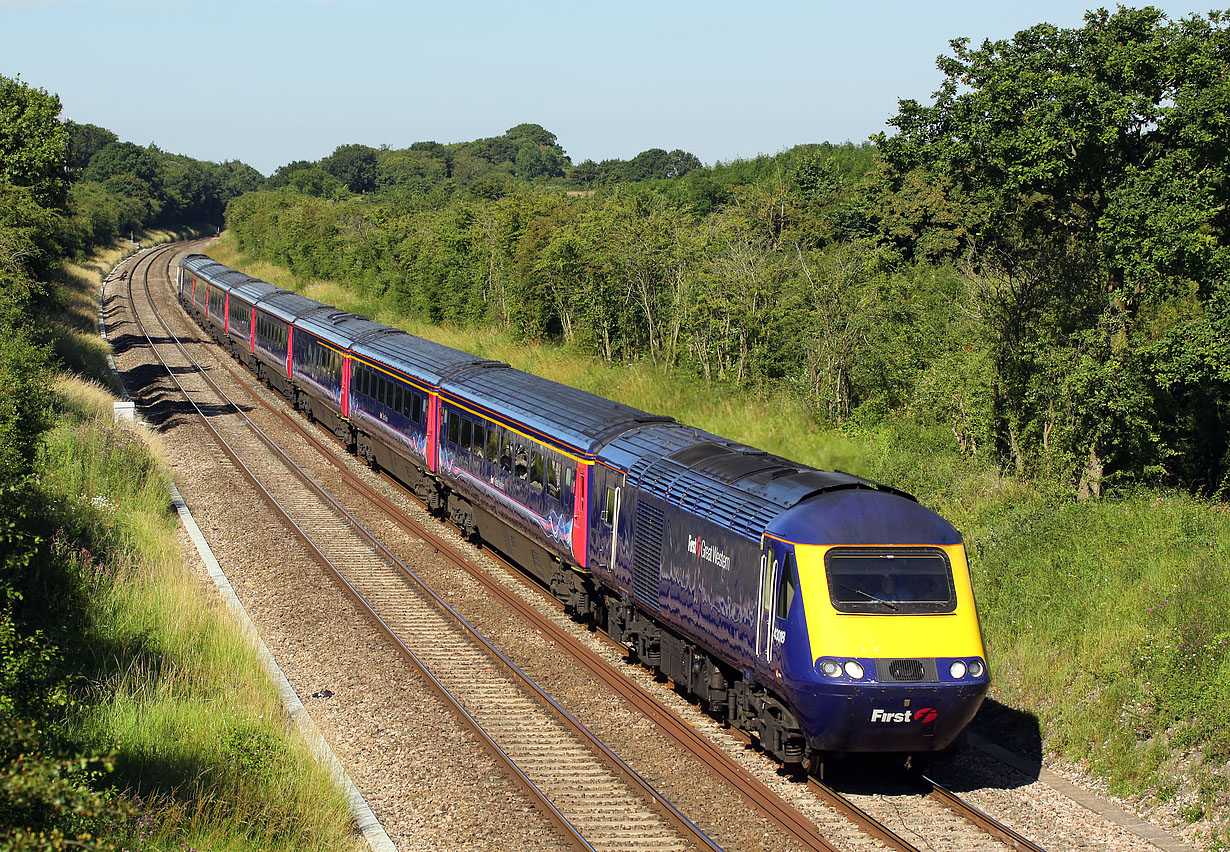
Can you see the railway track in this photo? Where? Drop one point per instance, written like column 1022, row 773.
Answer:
column 379, row 580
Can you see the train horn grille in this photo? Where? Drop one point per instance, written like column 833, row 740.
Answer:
column 906, row 670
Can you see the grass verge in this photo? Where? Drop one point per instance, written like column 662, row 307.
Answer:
column 159, row 674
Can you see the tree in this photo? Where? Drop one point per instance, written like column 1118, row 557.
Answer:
column 353, row 165
column 84, row 141
column 585, row 173
column 33, row 142
column 535, row 162
column 1106, row 143
column 533, row 135
column 125, row 158
column 679, row 163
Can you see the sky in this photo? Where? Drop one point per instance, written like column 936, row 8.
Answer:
column 269, row 82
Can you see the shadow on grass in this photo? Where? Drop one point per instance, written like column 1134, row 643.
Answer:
column 962, row 768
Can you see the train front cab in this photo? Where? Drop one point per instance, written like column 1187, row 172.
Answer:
column 876, row 644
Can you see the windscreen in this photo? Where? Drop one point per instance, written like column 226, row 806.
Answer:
column 890, row 581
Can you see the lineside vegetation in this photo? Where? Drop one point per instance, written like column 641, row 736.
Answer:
column 113, row 659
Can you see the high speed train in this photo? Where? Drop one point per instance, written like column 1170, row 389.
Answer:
column 821, row 612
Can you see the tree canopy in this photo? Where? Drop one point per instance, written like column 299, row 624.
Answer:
column 33, row 142
column 1083, row 176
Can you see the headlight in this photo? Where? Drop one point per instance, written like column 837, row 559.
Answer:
column 976, row 668
column 854, row 670
column 957, row 669
column 829, row 668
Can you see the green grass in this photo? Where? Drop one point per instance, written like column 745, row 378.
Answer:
column 1107, row 621
column 166, row 681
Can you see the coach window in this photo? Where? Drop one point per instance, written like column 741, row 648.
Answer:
column 536, row 467
column 521, row 462
column 396, row 398
column 480, row 439
column 553, row 479
column 608, row 510
column 506, row 451
column 465, row 434
column 493, row 445
column 454, row 427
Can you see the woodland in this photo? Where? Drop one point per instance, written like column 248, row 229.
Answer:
column 1037, row 260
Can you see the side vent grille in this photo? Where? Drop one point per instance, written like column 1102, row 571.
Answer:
column 647, row 554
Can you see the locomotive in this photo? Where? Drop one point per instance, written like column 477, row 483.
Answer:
column 821, row 612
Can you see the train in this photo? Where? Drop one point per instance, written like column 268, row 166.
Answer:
column 822, row 613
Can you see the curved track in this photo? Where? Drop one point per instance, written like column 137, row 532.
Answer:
column 596, row 799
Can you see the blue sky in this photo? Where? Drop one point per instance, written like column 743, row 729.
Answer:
column 272, row 81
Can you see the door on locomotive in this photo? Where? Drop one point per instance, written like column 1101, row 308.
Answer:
column 778, row 588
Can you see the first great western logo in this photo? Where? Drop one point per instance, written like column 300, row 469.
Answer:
column 922, row 716
column 702, row 549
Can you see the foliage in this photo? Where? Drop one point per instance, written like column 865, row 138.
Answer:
column 1082, row 176
column 33, row 144
column 354, row 166
column 84, row 141
column 83, row 507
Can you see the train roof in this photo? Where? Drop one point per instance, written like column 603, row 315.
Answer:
column 254, row 290
column 425, row 360
column 341, row 328
column 291, row 306
column 748, row 491
column 237, row 283
column 566, row 415
column 744, row 489
column 219, row 274
column 862, row 516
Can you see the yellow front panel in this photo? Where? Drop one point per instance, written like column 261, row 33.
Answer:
column 838, row 634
